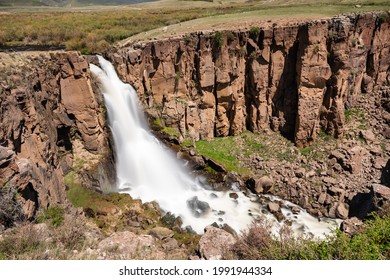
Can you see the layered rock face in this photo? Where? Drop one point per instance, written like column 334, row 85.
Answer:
column 296, row 79
column 49, row 119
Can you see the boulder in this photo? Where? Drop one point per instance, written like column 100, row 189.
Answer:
column 368, row 136
column 264, row 185
column 128, row 245
column 214, row 242
column 161, row 233
column 198, row 207
column 273, row 207
column 341, row 211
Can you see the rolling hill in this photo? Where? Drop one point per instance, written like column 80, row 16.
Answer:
column 67, row 2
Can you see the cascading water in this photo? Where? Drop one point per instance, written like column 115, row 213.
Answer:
column 148, row 171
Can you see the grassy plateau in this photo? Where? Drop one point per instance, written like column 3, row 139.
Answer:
column 91, row 29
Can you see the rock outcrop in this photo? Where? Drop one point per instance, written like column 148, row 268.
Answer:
column 296, row 79
column 50, row 120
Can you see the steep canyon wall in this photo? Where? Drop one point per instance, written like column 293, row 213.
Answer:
column 295, row 78
column 50, row 122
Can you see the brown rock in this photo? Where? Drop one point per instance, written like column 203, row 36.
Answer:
column 341, row 211
column 352, row 226
column 329, row 180
column 273, row 207
column 322, row 198
column 368, row 136
column 264, row 185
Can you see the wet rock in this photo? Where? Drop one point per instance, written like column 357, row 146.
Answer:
column 273, row 207
column 229, row 229
column 233, row 195
column 214, row 242
column 198, row 207
column 264, row 185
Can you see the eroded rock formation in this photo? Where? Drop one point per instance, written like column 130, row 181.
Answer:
column 297, row 78
column 50, row 120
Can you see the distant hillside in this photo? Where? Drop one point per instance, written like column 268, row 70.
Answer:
column 67, row 2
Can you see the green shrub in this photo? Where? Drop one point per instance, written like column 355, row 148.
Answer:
column 53, row 215
column 218, row 39
column 254, row 31
column 373, row 243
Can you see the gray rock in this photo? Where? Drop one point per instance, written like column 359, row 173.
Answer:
column 161, row 233
column 214, row 242
column 197, row 207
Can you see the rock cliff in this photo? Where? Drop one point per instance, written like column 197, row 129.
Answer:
column 296, row 78
column 50, row 121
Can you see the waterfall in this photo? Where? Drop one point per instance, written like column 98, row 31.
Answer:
column 147, row 170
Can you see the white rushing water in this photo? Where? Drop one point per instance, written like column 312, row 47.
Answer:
column 147, row 170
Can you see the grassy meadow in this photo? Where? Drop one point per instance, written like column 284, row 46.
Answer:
column 91, row 29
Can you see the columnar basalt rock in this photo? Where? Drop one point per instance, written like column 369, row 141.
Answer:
column 296, row 78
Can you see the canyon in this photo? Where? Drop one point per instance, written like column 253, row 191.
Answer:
column 295, row 79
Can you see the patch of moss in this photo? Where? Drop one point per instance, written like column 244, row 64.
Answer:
column 190, row 240
column 170, row 131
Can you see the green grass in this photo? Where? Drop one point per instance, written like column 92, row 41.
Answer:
column 110, row 212
column 53, row 215
column 85, row 198
column 94, row 30
column 355, row 114
column 232, row 151
column 222, row 150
